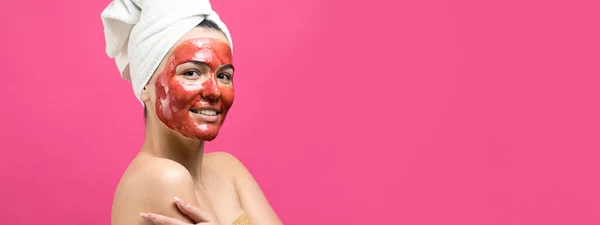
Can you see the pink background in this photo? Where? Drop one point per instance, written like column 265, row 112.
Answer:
column 390, row 112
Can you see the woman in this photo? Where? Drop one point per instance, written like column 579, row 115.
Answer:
column 186, row 99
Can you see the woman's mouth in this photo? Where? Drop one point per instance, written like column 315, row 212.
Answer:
column 206, row 112
column 209, row 115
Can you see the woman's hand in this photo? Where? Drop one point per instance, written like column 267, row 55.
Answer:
column 191, row 211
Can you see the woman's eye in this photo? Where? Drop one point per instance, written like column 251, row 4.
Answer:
column 191, row 73
column 224, row 76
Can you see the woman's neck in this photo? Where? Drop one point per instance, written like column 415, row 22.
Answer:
column 166, row 143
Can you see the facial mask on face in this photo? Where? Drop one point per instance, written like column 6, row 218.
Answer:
column 195, row 89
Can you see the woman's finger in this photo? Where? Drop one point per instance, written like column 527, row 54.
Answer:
column 192, row 211
column 161, row 220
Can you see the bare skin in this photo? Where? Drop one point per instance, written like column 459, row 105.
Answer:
column 216, row 185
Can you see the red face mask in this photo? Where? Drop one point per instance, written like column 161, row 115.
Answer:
column 195, row 89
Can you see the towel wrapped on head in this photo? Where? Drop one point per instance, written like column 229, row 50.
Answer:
column 139, row 33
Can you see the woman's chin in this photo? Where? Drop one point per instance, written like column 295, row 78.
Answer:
column 200, row 136
column 208, row 133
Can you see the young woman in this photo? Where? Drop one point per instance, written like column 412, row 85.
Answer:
column 172, row 180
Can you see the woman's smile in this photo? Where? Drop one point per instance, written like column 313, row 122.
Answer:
column 206, row 114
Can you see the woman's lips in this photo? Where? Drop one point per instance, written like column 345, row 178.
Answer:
column 206, row 114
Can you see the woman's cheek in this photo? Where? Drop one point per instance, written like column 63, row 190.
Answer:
column 182, row 93
column 227, row 95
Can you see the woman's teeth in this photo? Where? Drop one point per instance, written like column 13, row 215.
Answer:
column 206, row 112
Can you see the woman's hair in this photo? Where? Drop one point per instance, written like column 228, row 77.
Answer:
column 206, row 24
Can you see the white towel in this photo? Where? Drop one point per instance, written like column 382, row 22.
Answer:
column 139, row 33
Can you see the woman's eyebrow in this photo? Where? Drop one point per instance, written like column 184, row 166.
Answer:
column 227, row 66
column 198, row 63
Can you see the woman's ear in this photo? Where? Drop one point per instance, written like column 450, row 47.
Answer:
column 145, row 95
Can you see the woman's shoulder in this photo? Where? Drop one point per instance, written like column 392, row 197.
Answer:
column 150, row 169
column 225, row 164
column 149, row 185
column 221, row 157
column 147, row 175
column 249, row 193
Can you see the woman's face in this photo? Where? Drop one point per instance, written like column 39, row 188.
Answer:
column 194, row 88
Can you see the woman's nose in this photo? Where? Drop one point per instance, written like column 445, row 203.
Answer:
column 211, row 91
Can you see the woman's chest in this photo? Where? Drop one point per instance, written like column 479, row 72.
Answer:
column 221, row 196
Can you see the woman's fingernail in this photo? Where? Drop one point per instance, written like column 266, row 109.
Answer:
column 179, row 201
column 144, row 216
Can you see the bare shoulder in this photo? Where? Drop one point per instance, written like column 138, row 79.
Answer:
column 251, row 197
column 225, row 164
column 221, row 157
column 150, row 185
column 155, row 174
